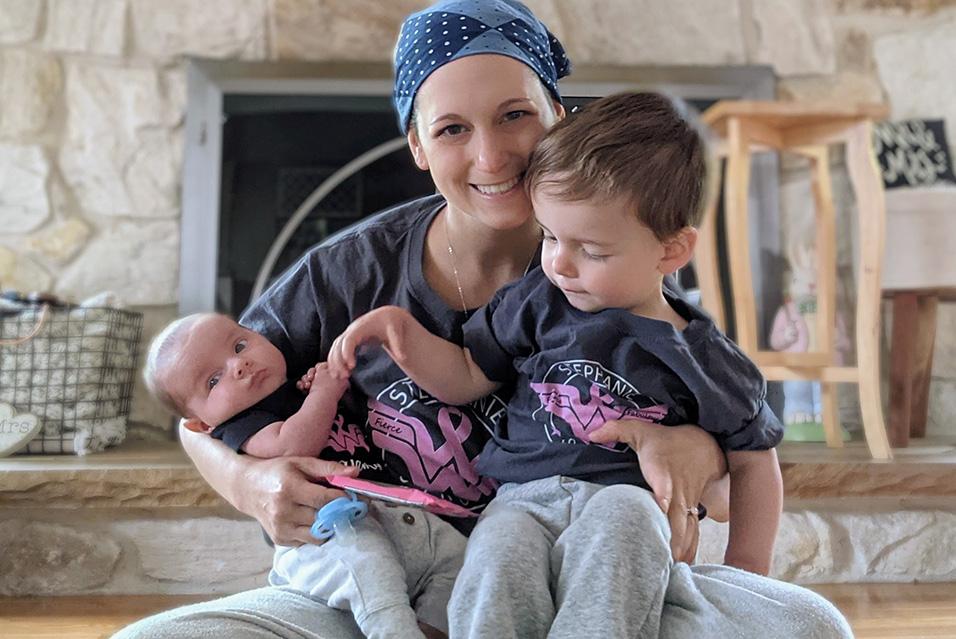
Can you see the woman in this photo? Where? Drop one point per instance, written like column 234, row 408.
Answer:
column 475, row 89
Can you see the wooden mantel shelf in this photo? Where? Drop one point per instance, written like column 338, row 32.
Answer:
column 158, row 474
column 926, row 469
column 135, row 475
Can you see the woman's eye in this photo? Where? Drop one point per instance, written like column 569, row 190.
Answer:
column 213, row 381
column 240, row 345
column 452, row 130
column 514, row 115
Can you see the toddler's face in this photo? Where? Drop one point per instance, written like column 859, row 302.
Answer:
column 222, row 368
column 599, row 254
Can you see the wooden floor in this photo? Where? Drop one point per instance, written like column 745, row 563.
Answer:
column 876, row 611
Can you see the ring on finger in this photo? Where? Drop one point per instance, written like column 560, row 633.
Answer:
column 693, row 512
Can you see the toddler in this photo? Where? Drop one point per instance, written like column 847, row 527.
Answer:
column 593, row 336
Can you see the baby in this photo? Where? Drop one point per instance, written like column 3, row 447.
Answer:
column 594, row 336
column 230, row 382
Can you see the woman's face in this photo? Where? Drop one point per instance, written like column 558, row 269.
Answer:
column 477, row 121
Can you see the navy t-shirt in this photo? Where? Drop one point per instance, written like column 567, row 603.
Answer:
column 396, row 430
column 572, row 371
column 282, row 404
column 277, row 407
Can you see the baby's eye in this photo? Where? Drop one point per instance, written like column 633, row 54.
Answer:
column 594, row 256
column 213, row 381
column 240, row 345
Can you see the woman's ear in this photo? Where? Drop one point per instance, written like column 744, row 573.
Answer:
column 415, row 144
column 678, row 250
column 559, row 111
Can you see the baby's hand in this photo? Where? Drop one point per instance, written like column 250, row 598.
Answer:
column 322, row 380
column 305, row 382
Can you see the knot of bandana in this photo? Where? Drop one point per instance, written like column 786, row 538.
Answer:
column 453, row 29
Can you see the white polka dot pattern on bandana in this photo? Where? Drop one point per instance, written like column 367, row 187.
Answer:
column 504, row 27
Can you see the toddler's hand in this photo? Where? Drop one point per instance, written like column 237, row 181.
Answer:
column 384, row 325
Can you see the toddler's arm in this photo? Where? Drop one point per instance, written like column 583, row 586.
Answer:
column 442, row 368
column 306, row 432
column 756, row 499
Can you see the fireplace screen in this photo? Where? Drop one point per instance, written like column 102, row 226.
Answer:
column 276, row 152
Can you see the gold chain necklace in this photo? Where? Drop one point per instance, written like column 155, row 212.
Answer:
column 454, row 264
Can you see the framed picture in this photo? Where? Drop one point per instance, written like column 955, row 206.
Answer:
column 913, row 153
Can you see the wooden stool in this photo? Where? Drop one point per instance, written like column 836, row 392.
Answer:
column 919, row 271
column 911, row 360
column 806, row 129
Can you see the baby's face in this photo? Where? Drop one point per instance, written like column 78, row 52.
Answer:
column 599, row 254
column 222, row 368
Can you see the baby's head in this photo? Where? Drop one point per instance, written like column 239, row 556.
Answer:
column 617, row 189
column 207, row 368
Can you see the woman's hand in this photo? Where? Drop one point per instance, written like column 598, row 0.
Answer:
column 281, row 494
column 677, row 462
column 384, row 326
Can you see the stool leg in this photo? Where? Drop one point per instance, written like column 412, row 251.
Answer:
column 902, row 362
column 871, row 213
column 706, row 264
column 736, row 189
column 923, row 363
column 826, row 283
column 831, row 414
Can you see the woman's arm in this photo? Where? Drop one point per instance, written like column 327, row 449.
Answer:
column 280, row 493
column 442, row 368
column 677, row 462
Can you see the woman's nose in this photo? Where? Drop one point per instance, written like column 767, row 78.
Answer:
column 492, row 152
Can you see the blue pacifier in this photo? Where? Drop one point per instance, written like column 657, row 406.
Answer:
column 336, row 517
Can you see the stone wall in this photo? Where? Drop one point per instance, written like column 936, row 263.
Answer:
column 91, row 120
column 214, row 551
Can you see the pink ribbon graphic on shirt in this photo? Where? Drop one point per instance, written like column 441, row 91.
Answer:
column 346, row 437
column 564, row 401
column 436, row 470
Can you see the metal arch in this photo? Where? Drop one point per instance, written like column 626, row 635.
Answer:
column 310, row 202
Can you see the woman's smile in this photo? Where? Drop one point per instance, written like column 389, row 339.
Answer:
column 501, row 188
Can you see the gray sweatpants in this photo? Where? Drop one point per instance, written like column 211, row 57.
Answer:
column 412, row 558
column 639, row 583
column 367, row 573
column 566, row 559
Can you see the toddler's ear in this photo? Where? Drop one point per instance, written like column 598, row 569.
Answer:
column 678, row 250
column 198, row 426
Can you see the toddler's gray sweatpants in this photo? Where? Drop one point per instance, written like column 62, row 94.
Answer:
column 566, row 559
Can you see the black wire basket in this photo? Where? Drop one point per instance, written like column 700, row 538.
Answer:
column 73, row 368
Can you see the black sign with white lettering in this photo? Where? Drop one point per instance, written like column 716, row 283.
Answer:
column 913, row 153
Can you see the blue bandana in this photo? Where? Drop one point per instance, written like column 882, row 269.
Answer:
column 452, row 29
